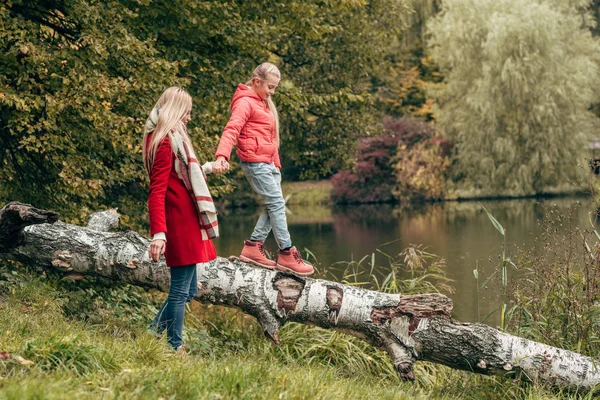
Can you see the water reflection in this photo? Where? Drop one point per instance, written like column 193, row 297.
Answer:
column 460, row 232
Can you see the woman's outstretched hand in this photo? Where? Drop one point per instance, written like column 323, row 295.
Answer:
column 157, row 249
column 221, row 165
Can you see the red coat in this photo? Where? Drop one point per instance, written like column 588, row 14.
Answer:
column 172, row 211
column 251, row 127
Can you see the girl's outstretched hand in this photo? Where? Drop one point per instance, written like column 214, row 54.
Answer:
column 221, row 165
column 157, row 249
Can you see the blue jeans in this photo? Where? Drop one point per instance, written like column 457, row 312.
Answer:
column 265, row 179
column 184, row 287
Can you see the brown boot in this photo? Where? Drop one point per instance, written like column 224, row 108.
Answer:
column 291, row 261
column 254, row 253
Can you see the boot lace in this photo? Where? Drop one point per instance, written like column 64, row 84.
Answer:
column 297, row 257
column 264, row 250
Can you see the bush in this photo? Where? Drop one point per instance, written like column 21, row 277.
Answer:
column 421, row 172
column 372, row 179
column 382, row 174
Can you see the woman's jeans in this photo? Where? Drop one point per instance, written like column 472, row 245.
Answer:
column 265, row 179
column 184, row 287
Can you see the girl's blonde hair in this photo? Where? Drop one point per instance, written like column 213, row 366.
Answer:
column 166, row 117
column 261, row 73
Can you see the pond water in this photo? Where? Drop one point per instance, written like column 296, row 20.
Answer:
column 461, row 232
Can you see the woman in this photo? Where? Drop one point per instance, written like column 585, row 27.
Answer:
column 182, row 214
column 254, row 129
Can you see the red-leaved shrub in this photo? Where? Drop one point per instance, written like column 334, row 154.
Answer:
column 374, row 177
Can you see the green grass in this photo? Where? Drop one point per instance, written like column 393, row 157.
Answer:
column 87, row 340
column 307, row 193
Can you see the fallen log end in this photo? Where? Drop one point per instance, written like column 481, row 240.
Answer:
column 15, row 216
column 17, row 213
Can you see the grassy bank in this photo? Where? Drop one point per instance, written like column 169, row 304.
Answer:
column 55, row 344
column 307, row 193
column 61, row 339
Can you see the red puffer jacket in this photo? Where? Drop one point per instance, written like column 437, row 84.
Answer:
column 251, row 127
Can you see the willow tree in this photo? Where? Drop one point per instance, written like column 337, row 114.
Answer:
column 520, row 79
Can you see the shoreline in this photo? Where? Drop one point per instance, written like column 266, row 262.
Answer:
column 313, row 193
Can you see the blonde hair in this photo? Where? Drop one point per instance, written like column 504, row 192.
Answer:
column 166, row 117
column 261, row 73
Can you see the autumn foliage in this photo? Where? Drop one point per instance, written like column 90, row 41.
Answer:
column 407, row 162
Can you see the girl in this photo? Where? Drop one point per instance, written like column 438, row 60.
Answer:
column 254, row 128
column 183, row 219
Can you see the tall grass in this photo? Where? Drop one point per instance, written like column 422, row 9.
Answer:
column 556, row 296
column 505, row 263
column 553, row 295
column 414, row 270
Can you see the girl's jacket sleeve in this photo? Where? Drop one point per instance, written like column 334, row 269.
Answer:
column 240, row 113
column 159, row 180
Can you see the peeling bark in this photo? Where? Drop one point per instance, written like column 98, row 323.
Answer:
column 105, row 221
column 410, row 328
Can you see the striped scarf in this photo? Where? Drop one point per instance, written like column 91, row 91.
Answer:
column 190, row 172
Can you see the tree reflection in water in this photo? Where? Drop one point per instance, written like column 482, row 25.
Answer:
column 458, row 231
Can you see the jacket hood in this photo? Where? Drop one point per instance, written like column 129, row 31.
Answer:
column 244, row 91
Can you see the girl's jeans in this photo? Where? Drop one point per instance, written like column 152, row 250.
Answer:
column 184, row 287
column 265, row 179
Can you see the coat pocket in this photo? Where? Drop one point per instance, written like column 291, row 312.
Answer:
column 266, row 149
column 247, row 144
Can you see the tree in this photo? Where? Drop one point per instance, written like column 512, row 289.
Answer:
column 79, row 79
column 520, row 78
column 402, row 91
column 74, row 90
column 327, row 51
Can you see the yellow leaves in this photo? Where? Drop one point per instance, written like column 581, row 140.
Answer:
column 23, row 361
column 421, row 171
column 94, row 185
column 426, row 110
column 310, row 118
column 6, row 356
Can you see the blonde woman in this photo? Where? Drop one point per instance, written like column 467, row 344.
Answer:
column 254, row 129
column 182, row 214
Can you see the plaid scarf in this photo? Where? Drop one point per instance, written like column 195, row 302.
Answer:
column 190, row 172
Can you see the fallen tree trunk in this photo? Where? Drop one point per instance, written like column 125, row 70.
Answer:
column 409, row 328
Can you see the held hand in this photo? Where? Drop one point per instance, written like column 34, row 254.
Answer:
column 221, row 165
column 157, row 249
